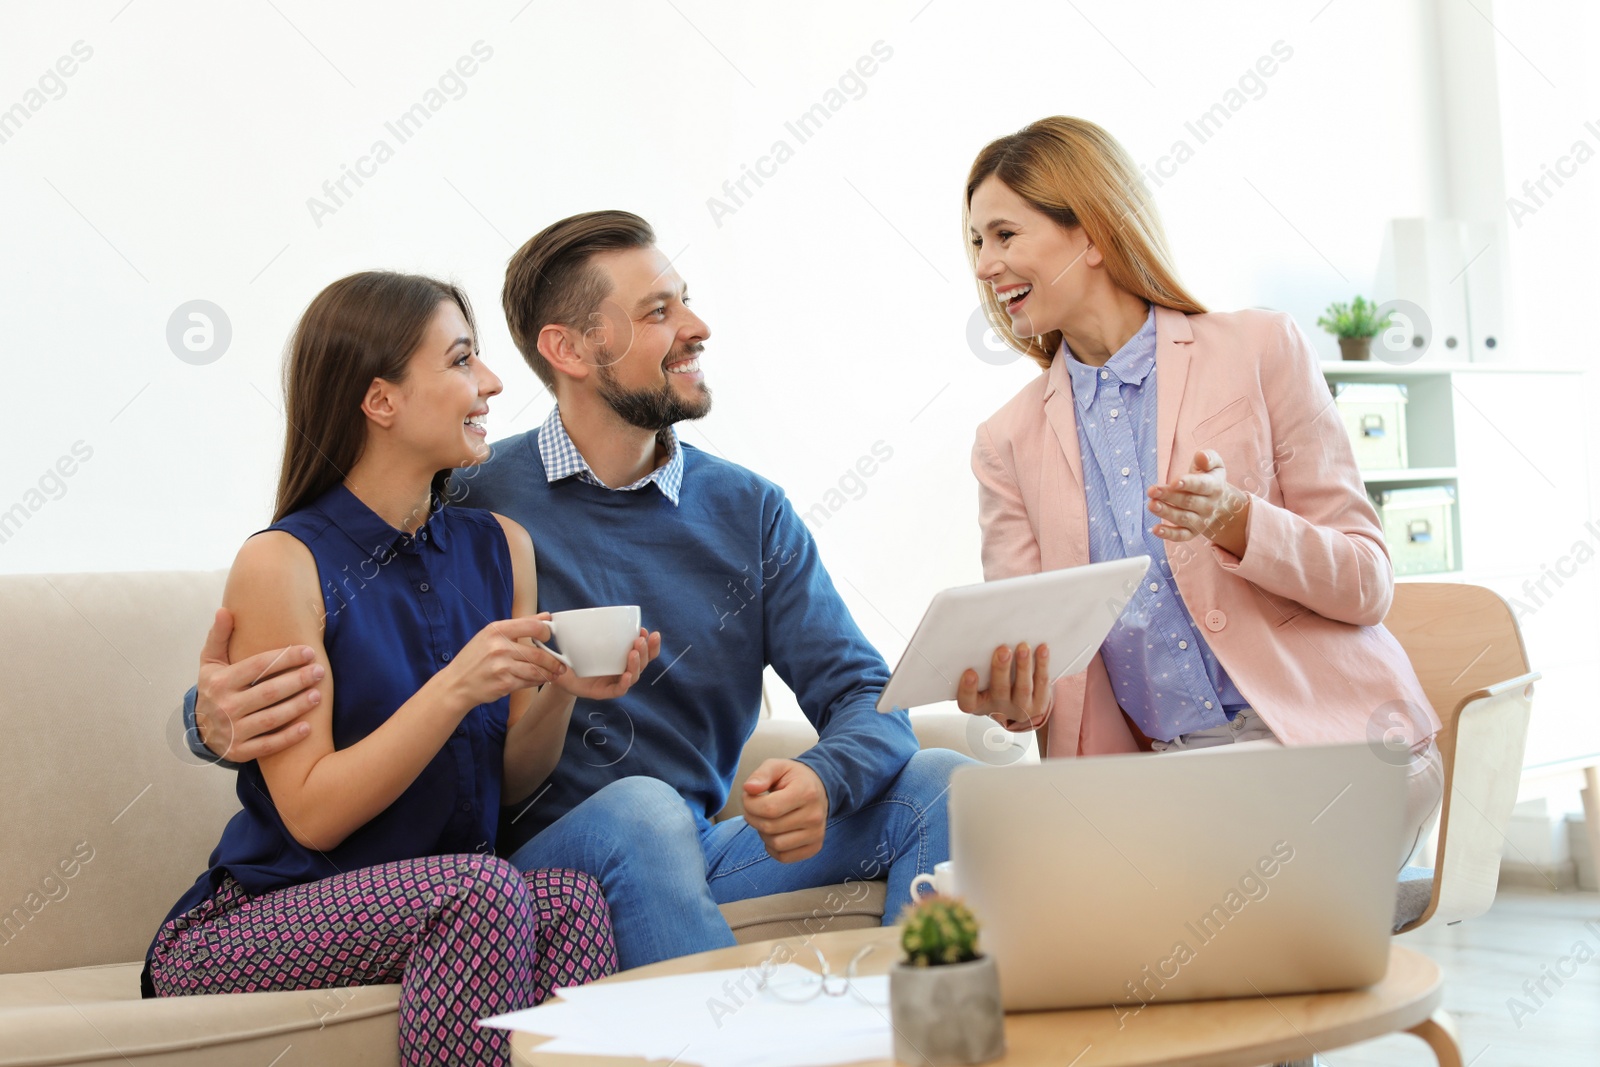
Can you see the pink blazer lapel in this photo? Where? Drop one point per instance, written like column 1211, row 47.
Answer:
column 1173, row 349
column 1062, row 415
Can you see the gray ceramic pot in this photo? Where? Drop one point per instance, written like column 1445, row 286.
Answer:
column 948, row 1014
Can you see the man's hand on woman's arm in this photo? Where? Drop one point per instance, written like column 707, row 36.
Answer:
column 252, row 708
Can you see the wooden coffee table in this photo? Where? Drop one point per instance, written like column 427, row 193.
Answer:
column 1217, row 1033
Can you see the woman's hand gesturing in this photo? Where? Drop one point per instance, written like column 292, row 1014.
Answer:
column 1203, row 503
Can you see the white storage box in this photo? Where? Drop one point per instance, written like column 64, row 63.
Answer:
column 1374, row 415
column 1419, row 525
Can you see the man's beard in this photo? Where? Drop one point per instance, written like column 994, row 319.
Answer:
column 655, row 409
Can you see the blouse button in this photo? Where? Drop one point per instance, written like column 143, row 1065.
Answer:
column 1183, row 644
column 466, row 805
column 1126, row 471
column 1154, row 587
column 1105, row 374
column 423, row 587
column 444, row 657
column 1215, row 620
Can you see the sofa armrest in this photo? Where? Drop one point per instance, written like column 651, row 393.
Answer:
column 972, row 735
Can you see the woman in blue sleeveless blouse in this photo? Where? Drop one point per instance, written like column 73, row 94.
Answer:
column 366, row 853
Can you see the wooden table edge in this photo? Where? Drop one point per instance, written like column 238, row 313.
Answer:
column 1412, row 1006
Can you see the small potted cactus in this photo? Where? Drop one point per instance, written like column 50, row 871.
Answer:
column 1355, row 325
column 944, row 997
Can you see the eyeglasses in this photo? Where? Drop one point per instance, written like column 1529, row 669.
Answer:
column 798, row 991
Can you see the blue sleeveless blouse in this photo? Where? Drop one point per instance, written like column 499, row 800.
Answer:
column 399, row 608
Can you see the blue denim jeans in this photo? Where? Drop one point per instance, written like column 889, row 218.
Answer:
column 664, row 871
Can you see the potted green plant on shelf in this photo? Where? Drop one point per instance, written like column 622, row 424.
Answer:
column 944, row 997
column 1355, row 325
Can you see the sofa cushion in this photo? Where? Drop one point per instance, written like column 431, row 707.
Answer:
column 850, row 906
column 109, row 819
column 93, row 1015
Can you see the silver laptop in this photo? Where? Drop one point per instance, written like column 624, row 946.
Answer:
column 1123, row 880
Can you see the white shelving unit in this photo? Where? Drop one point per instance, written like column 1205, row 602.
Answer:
column 1409, row 476
column 1430, row 429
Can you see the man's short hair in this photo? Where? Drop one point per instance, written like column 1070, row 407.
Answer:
column 552, row 278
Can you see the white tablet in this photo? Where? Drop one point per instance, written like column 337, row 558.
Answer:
column 1070, row 610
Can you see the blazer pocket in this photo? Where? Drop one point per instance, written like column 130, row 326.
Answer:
column 1230, row 416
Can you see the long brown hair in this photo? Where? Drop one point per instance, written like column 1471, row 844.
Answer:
column 1077, row 174
column 359, row 328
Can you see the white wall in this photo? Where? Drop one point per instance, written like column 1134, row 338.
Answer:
column 179, row 160
column 1549, row 93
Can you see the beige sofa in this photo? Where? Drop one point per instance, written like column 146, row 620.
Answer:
column 109, row 819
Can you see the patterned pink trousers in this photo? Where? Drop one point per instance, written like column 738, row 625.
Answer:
column 465, row 937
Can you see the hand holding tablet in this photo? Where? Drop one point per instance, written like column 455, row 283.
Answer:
column 1068, row 611
column 1019, row 685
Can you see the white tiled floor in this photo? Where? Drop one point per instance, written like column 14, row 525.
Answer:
column 1524, row 937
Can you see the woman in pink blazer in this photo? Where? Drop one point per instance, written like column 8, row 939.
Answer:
column 1207, row 440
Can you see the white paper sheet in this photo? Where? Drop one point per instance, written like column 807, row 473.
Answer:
column 715, row 1019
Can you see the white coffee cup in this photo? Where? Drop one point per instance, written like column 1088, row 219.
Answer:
column 942, row 881
column 594, row 642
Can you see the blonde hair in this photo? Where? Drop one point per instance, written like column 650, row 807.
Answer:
column 1077, row 174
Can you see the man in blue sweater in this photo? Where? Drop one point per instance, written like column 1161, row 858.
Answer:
column 623, row 512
